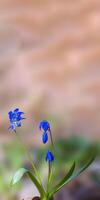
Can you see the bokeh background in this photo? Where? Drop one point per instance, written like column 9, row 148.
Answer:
column 50, row 69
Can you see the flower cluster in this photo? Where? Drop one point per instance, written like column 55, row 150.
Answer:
column 15, row 118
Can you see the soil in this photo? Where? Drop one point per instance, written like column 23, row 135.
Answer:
column 77, row 192
column 83, row 193
column 92, row 193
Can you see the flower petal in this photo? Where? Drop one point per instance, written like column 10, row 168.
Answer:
column 44, row 137
column 49, row 156
column 44, row 125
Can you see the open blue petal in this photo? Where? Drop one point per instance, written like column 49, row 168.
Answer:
column 16, row 110
column 12, row 127
column 15, row 118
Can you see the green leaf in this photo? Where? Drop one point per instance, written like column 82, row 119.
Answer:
column 70, row 176
column 18, row 175
column 21, row 172
column 37, row 184
column 82, row 169
column 64, row 180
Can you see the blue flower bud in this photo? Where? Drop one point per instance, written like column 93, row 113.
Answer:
column 49, row 156
column 44, row 137
column 44, row 125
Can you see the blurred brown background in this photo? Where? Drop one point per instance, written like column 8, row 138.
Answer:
column 50, row 66
column 50, row 63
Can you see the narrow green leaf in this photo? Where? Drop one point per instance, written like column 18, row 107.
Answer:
column 18, row 175
column 21, row 172
column 71, row 176
column 82, row 169
column 37, row 184
column 64, row 181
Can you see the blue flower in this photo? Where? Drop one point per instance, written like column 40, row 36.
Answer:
column 49, row 156
column 44, row 137
column 15, row 118
column 44, row 125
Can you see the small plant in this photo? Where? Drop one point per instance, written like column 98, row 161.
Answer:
column 16, row 117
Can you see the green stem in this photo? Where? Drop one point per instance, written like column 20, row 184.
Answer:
column 46, row 198
column 51, row 139
column 29, row 157
column 49, row 175
column 49, row 164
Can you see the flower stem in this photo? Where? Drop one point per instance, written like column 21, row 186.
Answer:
column 49, row 164
column 46, row 198
column 51, row 139
column 29, row 157
column 49, row 174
